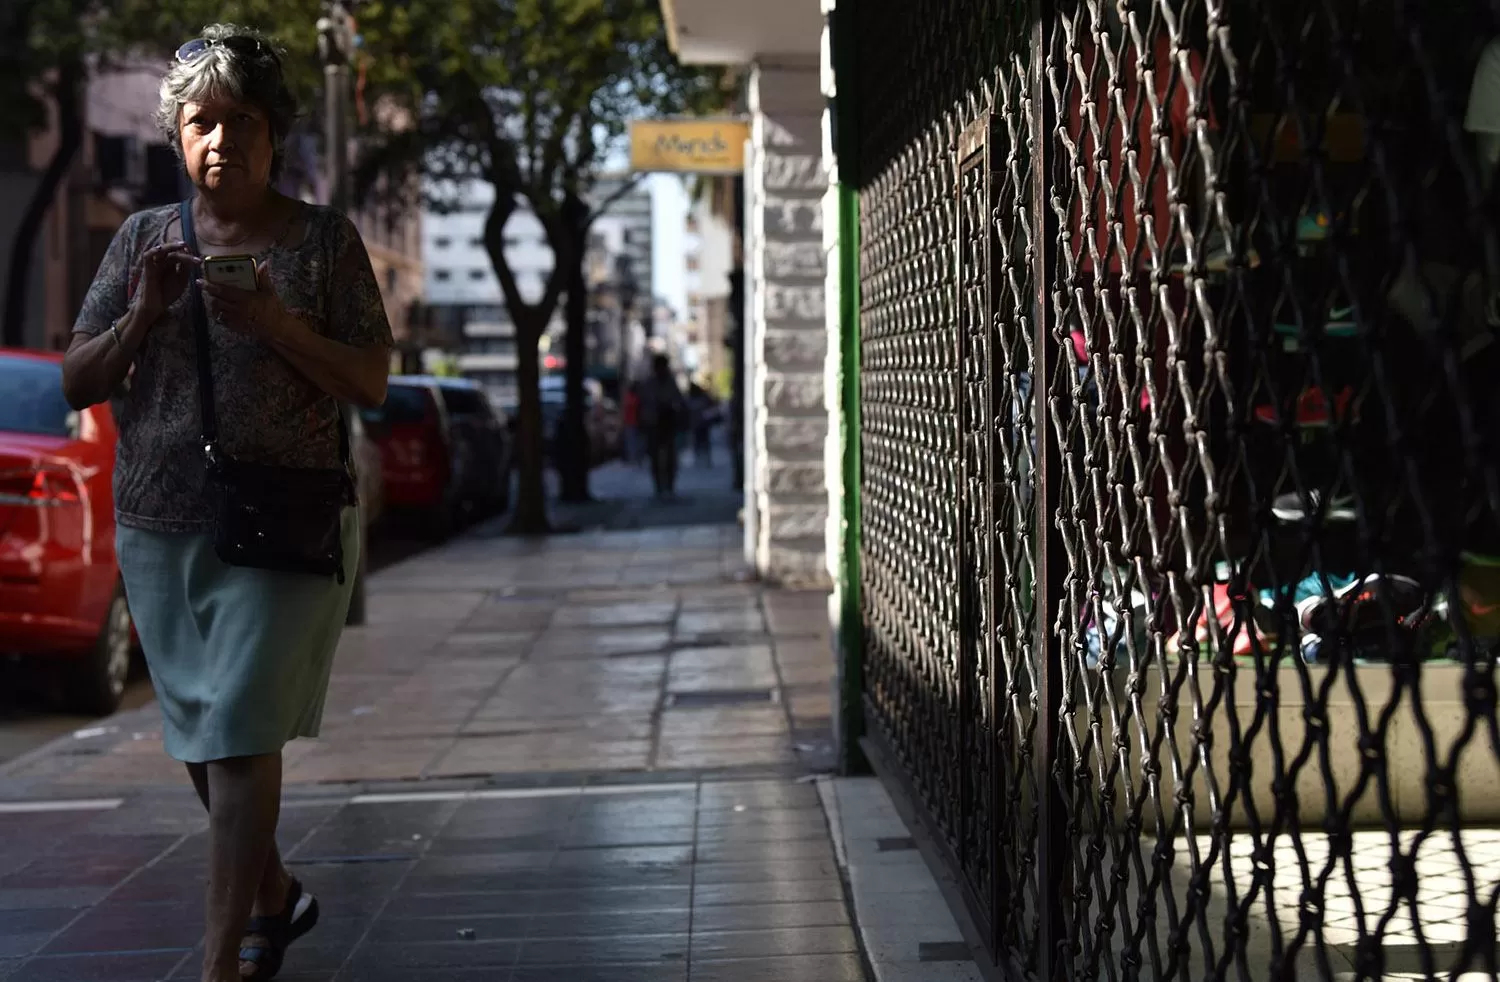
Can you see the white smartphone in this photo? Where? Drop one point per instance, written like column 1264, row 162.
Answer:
column 235, row 271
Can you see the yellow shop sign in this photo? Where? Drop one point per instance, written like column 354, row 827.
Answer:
column 690, row 146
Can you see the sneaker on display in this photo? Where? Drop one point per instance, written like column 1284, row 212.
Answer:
column 1338, row 322
column 1358, row 611
column 1479, row 593
column 1312, row 408
column 1308, row 588
column 1211, row 628
column 1293, row 507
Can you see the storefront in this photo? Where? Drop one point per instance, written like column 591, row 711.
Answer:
column 1177, row 460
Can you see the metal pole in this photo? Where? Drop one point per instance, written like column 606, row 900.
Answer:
column 1053, row 871
column 336, row 81
column 335, row 43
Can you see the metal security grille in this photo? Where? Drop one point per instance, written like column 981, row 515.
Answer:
column 1181, row 475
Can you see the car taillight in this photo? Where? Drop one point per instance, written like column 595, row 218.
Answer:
column 38, row 488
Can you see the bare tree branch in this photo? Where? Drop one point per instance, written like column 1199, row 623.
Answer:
column 614, row 198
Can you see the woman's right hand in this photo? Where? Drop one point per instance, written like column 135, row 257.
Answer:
column 164, row 273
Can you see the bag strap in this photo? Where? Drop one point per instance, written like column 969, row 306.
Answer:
column 209, row 422
column 210, row 425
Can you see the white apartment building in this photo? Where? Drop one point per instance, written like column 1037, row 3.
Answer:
column 628, row 223
column 709, row 257
column 464, row 295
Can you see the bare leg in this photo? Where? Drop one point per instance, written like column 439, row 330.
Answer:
column 276, row 881
column 244, row 804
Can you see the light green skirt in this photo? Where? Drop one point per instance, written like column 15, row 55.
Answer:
column 240, row 657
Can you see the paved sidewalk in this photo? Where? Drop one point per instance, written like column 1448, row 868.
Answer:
column 691, row 882
column 625, row 498
column 578, row 759
column 499, row 658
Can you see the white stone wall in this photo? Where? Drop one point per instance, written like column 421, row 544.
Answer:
column 786, row 270
column 833, row 368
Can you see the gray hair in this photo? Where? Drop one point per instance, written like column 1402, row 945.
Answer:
column 221, row 72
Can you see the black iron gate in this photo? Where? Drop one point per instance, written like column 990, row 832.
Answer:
column 1180, row 446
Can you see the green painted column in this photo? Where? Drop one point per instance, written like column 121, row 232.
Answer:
column 843, row 49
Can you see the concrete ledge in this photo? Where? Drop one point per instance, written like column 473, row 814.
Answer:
column 905, row 925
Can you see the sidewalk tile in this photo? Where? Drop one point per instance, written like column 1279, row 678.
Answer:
column 823, row 968
column 605, row 973
column 764, row 917
column 591, row 837
column 130, row 967
column 564, row 643
column 930, row 972
column 431, row 930
column 140, row 929
column 759, row 827
column 394, row 759
column 720, row 622
column 769, row 892
column 650, row 949
column 826, row 940
column 614, row 615
column 456, row 954
column 724, row 721
column 698, row 669
column 782, row 850
column 745, row 751
column 575, row 900
column 611, row 924
column 13, row 899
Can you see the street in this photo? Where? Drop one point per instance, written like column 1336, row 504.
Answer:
column 27, row 720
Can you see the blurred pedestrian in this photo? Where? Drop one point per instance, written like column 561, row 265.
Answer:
column 704, row 411
column 663, row 416
column 630, row 420
column 238, row 525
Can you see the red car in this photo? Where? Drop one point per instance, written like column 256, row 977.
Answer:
column 60, row 592
column 445, row 455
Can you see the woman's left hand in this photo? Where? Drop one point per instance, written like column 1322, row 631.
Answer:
column 257, row 313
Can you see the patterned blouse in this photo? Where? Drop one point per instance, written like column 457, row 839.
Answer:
column 266, row 410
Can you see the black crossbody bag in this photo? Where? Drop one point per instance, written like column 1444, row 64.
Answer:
column 287, row 519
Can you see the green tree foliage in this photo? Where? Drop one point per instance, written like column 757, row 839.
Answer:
column 530, row 97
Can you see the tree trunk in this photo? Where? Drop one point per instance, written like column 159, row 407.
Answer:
column 573, row 465
column 530, row 514
column 66, row 91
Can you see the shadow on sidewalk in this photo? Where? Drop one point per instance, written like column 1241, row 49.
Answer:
column 624, row 498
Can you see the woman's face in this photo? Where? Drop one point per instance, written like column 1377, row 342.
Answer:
column 226, row 144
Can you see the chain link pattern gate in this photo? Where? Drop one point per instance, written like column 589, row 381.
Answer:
column 1180, row 399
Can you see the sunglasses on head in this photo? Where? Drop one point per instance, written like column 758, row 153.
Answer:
column 240, row 44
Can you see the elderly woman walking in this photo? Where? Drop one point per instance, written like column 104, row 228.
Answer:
column 234, row 493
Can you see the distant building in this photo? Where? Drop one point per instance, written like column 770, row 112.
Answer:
column 463, row 295
column 710, row 262
column 627, row 222
column 621, row 263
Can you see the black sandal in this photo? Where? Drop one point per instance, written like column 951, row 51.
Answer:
column 274, row 934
